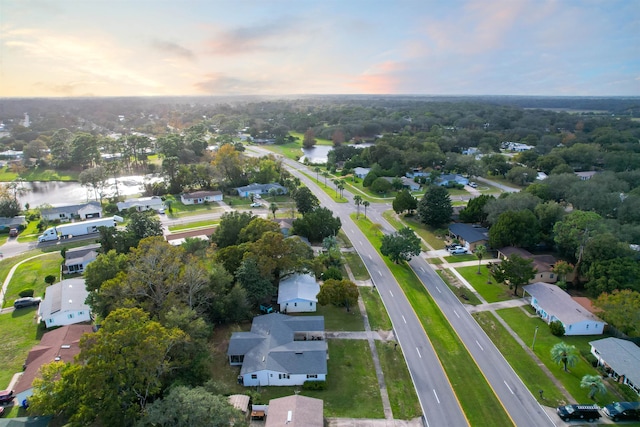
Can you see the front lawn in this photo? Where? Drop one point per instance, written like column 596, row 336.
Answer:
column 37, row 174
column 452, row 259
column 376, row 312
column 19, row 333
column 492, row 292
column 179, row 209
column 402, row 394
column 31, row 274
column 337, row 318
column 195, row 225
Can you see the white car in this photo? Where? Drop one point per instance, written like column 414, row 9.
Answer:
column 473, row 185
column 256, row 205
column 458, row 251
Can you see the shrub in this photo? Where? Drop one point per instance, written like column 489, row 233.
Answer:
column 26, row 293
column 332, row 273
column 111, row 208
column 557, row 328
column 314, row 385
column 50, row 279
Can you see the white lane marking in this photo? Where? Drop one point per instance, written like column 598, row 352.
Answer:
column 505, row 383
column 391, row 293
column 438, row 289
column 379, row 273
column 456, row 313
column 370, row 257
column 422, row 269
column 436, row 395
column 360, row 242
column 418, row 352
column 405, row 320
column 479, row 345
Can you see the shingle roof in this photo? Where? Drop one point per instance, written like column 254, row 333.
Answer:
column 468, row 232
column 623, row 356
column 80, row 255
column 558, row 303
column 270, row 345
column 298, row 286
column 70, row 209
column 67, row 295
column 305, row 412
column 198, row 194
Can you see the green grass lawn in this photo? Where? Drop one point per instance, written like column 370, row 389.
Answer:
column 434, row 238
column 452, row 259
column 292, row 150
column 31, row 274
column 526, row 368
column 30, row 233
column 492, row 292
column 194, row 225
column 448, row 278
column 337, row 318
column 19, row 333
column 403, row 399
column 525, row 327
column 329, row 188
column 179, row 209
column 376, row 312
column 37, row 174
column 465, row 377
column 356, row 265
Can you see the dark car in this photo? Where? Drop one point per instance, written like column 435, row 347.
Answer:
column 578, row 412
column 623, row 411
column 26, row 302
column 6, row 396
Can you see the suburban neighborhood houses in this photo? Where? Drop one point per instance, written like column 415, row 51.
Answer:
column 64, row 304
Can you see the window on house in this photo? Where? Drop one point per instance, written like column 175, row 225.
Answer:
column 295, row 304
column 80, row 313
column 312, row 376
column 311, row 304
column 254, row 376
column 283, row 376
column 551, row 275
column 70, row 315
column 587, row 326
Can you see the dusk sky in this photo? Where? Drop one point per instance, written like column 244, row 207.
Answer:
column 281, row 47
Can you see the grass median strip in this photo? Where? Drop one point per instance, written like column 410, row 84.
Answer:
column 403, row 399
column 467, row 380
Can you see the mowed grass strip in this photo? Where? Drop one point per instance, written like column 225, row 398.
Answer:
column 492, row 292
column 19, row 333
column 378, row 317
column 433, row 238
column 403, row 398
column 465, row 377
column 527, row 369
column 356, row 265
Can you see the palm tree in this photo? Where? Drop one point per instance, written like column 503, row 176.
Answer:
column 357, row 199
column 341, row 188
column 317, row 171
column 565, row 354
column 336, row 182
column 594, row 384
column 273, row 208
column 365, row 204
column 325, row 174
column 480, row 251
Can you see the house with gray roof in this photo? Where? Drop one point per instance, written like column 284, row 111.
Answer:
column 141, row 204
column 64, row 304
column 543, row 263
column 199, row 197
column 620, row 359
column 469, row 235
column 260, row 189
column 361, row 172
column 451, row 179
column 66, row 213
column 552, row 303
column 13, row 222
column 280, row 350
column 77, row 259
column 298, row 293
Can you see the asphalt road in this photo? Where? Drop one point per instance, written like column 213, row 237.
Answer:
column 437, row 399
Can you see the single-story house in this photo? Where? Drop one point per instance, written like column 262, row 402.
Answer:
column 620, row 358
column 69, row 212
column 64, row 303
column 59, row 344
column 280, row 350
column 471, row 151
column 361, row 172
column 141, row 204
column 416, row 172
column 285, row 225
column 585, row 176
column 552, row 303
column 295, row 411
column 410, row 184
column 451, row 179
column 198, row 197
column 543, row 263
column 14, row 222
column 517, row 147
column 260, row 189
column 298, row 293
column 469, row 235
column 77, row 259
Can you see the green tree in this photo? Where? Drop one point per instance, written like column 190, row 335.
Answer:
column 611, row 274
column 594, row 384
column 564, row 354
column 256, row 228
column 95, row 178
column 401, row 245
column 480, row 251
column 9, row 207
column 514, row 229
column 621, row 308
column 357, row 199
column 340, row 293
column 474, row 211
column 380, row 185
column 369, row 179
column 273, row 208
column 366, row 204
column 515, row 271
column 562, row 268
column 309, row 140
column 404, row 201
column 317, row 224
column 228, row 230
column 575, row 229
column 435, row 207
column 201, row 409
column 305, row 200
column 250, row 278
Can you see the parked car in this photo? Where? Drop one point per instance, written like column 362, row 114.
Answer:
column 623, row 411
column 6, row 396
column 473, row 184
column 13, row 232
column 26, row 302
column 256, row 205
column 578, row 412
column 458, row 251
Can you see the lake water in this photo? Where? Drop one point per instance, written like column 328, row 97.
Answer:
column 67, row 193
column 319, row 153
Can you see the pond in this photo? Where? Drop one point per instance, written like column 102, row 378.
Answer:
column 318, row 153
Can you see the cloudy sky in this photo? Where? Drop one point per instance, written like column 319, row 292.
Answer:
column 277, row 47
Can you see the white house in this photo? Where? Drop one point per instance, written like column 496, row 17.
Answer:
column 199, row 197
column 361, row 172
column 260, row 189
column 298, row 293
column 280, row 350
column 68, row 212
column 77, row 259
column 60, row 344
column 552, row 303
column 64, row 303
column 141, row 204
column 620, row 359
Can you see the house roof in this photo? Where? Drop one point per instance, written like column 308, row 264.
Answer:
column 15, row 221
column 270, row 345
column 542, row 263
column 70, row 209
column 295, row 411
column 62, row 342
column 67, row 295
column 558, row 303
column 361, row 171
column 140, row 201
column 253, row 188
column 240, row 402
column 81, row 255
column 39, row 421
column 621, row 355
column 469, row 232
column 199, row 194
column 298, row 286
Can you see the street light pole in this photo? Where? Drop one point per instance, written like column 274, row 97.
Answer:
column 535, row 334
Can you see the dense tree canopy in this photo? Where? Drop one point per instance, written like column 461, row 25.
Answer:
column 435, row 207
column 401, row 245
